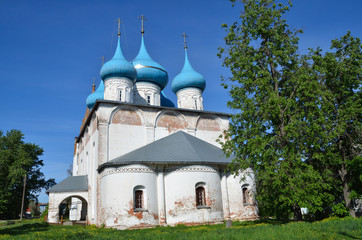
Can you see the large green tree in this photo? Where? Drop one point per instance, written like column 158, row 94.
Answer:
column 277, row 127
column 339, row 73
column 18, row 159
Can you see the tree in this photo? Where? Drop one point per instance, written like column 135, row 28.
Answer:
column 18, row 159
column 340, row 74
column 277, row 128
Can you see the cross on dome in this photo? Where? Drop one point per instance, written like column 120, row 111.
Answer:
column 119, row 26
column 185, row 36
column 142, row 23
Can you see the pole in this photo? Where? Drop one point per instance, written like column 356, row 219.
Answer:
column 22, row 201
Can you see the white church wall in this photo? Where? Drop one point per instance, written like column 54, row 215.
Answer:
column 168, row 122
column 209, row 127
column 75, row 209
column 119, row 139
column 238, row 208
column 126, row 131
column 117, row 196
column 180, row 189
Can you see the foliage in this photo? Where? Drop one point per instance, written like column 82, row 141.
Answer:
column 297, row 118
column 18, row 159
column 33, row 206
column 45, row 213
column 339, row 73
column 334, row 228
column 277, row 111
column 340, row 210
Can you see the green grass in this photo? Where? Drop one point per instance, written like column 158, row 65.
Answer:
column 346, row 228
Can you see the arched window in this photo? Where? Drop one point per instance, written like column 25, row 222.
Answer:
column 138, row 199
column 200, row 196
column 246, row 196
column 148, row 99
column 195, row 104
column 120, row 95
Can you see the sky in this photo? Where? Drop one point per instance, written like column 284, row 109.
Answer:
column 50, row 52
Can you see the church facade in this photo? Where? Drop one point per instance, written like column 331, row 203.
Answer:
column 139, row 161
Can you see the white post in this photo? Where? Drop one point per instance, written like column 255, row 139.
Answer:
column 225, row 195
column 161, row 198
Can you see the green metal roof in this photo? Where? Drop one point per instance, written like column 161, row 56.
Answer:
column 71, row 184
column 177, row 148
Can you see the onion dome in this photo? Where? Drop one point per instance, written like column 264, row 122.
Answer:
column 118, row 66
column 188, row 78
column 149, row 70
column 166, row 102
column 97, row 94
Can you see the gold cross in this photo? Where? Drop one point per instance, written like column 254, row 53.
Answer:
column 185, row 43
column 119, row 26
column 142, row 20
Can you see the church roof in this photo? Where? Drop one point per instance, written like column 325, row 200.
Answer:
column 177, row 148
column 71, row 184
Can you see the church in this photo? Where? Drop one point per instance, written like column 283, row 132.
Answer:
column 140, row 161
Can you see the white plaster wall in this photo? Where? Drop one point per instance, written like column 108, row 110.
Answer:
column 116, row 193
column 75, row 209
column 124, row 139
column 239, row 210
column 209, row 136
column 180, row 195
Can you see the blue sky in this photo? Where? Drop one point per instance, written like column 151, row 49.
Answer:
column 50, row 52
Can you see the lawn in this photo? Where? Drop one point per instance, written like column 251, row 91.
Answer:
column 346, row 228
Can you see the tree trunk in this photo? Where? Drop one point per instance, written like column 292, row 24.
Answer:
column 343, row 174
column 297, row 213
column 346, row 191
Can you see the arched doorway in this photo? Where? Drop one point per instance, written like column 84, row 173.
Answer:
column 73, row 208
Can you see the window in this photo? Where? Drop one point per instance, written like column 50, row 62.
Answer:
column 200, row 196
column 148, row 99
column 138, row 199
column 195, row 104
column 246, row 196
column 120, row 95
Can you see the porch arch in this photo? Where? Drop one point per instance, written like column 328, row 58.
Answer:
column 57, row 198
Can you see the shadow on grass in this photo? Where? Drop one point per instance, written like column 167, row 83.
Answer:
column 24, row 228
column 348, row 235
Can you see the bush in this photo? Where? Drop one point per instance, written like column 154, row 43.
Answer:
column 339, row 210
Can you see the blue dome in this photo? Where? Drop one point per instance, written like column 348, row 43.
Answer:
column 118, row 66
column 188, row 78
column 166, row 102
column 93, row 97
column 149, row 70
